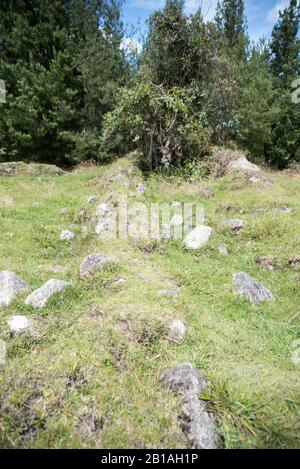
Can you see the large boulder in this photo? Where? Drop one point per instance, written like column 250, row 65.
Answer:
column 10, row 286
column 15, row 168
column 241, row 164
column 197, row 423
column 18, row 324
column 177, row 331
column 249, row 288
column 198, row 237
column 39, row 298
column 92, row 263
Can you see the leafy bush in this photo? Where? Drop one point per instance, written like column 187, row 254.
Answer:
column 161, row 124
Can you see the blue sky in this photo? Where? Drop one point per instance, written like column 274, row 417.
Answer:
column 261, row 14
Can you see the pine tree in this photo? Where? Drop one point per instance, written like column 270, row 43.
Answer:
column 285, row 46
column 231, row 22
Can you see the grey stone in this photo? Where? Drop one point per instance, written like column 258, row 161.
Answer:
column 91, row 199
column 198, row 237
column 248, row 287
column 266, row 263
column 284, row 209
column 294, row 262
column 64, row 211
column 67, row 235
column 140, row 188
column 177, row 220
column 127, row 185
column 169, row 292
column 39, row 297
column 198, row 425
column 10, row 286
column 235, row 225
column 175, row 204
column 166, row 231
column 92, row 263
column 177, row 331
column 18, row 324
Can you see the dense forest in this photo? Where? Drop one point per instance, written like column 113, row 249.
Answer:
column 74, row 94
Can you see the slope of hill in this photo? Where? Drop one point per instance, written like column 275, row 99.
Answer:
column 86, row 371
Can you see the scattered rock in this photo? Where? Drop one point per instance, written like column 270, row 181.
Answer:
column 140, row 188
column 10, row 286
column 241, row 164
column 91, row 199
column 255, row 179
column 104, row 208
column 127, row 185
column 177, row 220
column 169, row 292
column 177, row 331
column 223, row 250
column 235, row 225
column 266, row 263
column 84, row 229
column 118, row 282
column 39, row 298
column 248, row 287
column 207, row 192
column 18, row 324
column 198, row 425
column 93, row 263
column 57, row 269
column 67, row 235
column 175, row 204
column 284, row 209
column 198, row 237
column 64, row 211
column 294, row 263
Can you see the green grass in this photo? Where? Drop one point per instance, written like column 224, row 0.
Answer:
column 89, row 374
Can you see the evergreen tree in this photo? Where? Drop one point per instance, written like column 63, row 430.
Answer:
column 231, row 22
column 285, row 46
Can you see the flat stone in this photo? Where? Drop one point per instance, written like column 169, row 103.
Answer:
column 198, row 425
column 248, row 287
column 10, row 286
column 92, row 263
column 235, row 225
column 18, row 323
column 39, row 297
column 67, row 235
column 198, row 237
column 177, row 331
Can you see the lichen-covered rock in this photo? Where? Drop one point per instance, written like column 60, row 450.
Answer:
column 197, row 423
column 92, row 263
column 248, row 287
column 67, row 235
column 14, row 168
column 39, row 298
column 223, row 250
column 10, row 286
column 198, row 237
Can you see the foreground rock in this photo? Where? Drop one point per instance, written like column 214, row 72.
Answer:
column 10, row 286
column 18, row 324
column 223, row 250
column 177, row 331
column 248, row 287
column 266, row 263
column 39, row 298
column 235, row 225
column 67, row 235
column 198, row 425
column 93, row 263
column 198, row 237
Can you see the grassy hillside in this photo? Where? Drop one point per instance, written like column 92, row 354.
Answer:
column 87, row 374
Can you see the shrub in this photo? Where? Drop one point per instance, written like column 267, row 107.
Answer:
column 161, row 124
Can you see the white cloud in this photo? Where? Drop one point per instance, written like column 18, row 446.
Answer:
column 130, row 45
column 273, row 14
